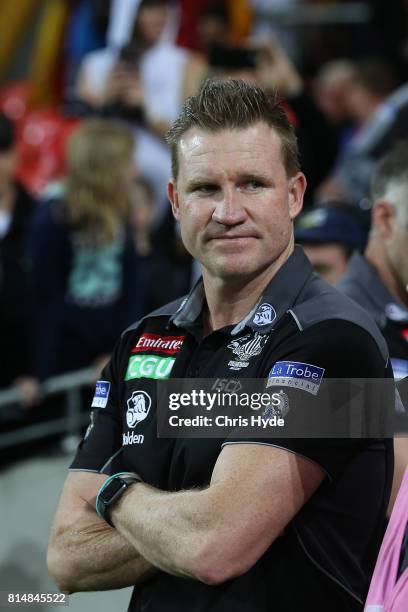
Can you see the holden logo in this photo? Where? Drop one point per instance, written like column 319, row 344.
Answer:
column 138, row 408
column 265, row 314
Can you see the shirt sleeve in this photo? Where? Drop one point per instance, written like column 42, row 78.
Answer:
column 317, row 379
column 101, row 446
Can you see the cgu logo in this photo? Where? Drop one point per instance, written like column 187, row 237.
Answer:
column 149, row 366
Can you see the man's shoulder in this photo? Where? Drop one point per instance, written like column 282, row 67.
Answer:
column 324, row 303
column 164, row 312
column 358, row 284
column 351, row 284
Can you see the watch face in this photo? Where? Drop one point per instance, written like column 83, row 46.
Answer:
column 112, row 489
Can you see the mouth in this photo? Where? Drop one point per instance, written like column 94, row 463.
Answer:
column 233, row 243
column 232, row 238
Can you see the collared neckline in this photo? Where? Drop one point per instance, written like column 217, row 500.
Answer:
column 383, row 300
column 281, row 293
column 278, row 297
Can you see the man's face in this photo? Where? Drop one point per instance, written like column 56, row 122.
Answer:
column 152, row 20
column 234, row 201
column 397, row 252
column 329, row 260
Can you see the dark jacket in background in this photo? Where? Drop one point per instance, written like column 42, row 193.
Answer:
column 81, row 296
column 13, row 271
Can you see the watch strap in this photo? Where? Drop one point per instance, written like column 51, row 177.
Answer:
column 102, row 509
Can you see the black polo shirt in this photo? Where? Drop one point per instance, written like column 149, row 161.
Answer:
column 324, row 558
column 362, row 283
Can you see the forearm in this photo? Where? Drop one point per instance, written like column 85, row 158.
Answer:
column 90, row 555
column 168, row 529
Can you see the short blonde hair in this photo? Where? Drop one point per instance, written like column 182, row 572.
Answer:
column 97, row 153
column 234, row 104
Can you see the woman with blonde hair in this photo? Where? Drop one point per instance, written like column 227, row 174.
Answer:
column 86, row 280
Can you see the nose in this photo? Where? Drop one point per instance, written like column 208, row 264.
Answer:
column 229, row 209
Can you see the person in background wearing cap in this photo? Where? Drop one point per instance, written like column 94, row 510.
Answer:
column 378, row 280
column 329, row 234
column 16, row 210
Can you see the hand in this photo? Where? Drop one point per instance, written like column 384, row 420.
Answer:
column 276, row 71
column 30, row 392
column 133, row 94
column 115, row 85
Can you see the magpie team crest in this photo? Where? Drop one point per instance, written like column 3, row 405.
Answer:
column 265, row 314
column 246, row 347
column 138, row 408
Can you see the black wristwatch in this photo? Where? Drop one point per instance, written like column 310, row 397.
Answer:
column 111, row 491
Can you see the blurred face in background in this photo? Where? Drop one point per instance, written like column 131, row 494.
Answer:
column 331, row 89
column 329, row 260
column 151, row 21
column 397, row 251
column 211, row 30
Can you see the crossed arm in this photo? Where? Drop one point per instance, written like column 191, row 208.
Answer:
column 211, row 535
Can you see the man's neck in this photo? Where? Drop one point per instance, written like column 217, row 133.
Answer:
column 229, row 301
column 379, row 261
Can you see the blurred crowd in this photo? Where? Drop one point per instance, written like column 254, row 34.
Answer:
column 87, row 241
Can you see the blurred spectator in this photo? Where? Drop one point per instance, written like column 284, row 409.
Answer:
column 381, row 117
column 16, row 210
column 238, row 13
column 168, row 264
column 167, row 73
column 86, row 31
column 213, row 27
column 331, row 88
column 373, row 81
column 269, row 22
column 268, row 65
column 378, row 281
column 87, row 281
column 145, row 82
column 329, row 234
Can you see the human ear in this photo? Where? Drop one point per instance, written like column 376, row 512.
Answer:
column 297, row 188
column 383, row 218
column 172, row 194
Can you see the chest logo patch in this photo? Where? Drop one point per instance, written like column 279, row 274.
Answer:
column 295, row 374
column 279, row 409
column 399, row 367
column 396, row 312
column 246, row 347
column 265, row 314
column 149, row 366
column 138, row 404
column 101, row 396
column 154, row 343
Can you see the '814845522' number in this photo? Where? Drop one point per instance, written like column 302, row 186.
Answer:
column 25, row 598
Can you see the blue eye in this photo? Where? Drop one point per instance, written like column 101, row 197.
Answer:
column 206, row 188
column 253, row 185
